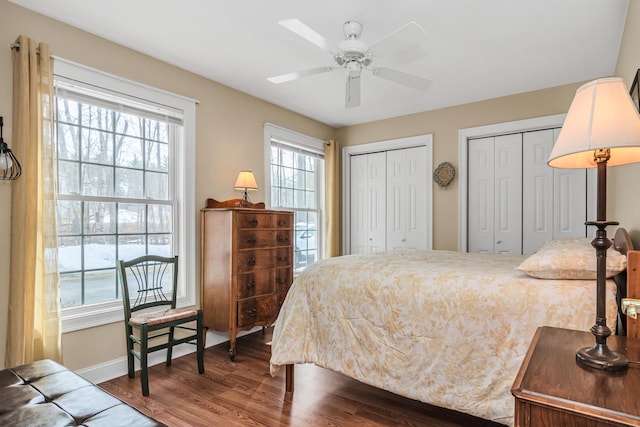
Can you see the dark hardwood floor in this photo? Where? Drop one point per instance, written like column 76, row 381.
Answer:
column 243, row 393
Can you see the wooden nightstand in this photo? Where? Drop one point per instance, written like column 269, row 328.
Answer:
column 552, row 389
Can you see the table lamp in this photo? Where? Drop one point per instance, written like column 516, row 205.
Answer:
column 602, row 128
column 245, row 181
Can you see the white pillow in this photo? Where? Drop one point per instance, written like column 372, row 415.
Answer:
column 570, row 259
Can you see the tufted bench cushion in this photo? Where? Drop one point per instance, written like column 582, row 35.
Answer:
column 45, row 393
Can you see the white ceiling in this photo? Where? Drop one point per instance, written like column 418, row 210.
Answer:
column 475, row 49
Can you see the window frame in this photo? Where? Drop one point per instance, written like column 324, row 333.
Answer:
column 182, row 162
column 296, row 139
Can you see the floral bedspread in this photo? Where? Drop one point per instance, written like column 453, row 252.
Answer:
column 446, row 328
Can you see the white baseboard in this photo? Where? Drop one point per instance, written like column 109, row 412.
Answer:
column 118, row 367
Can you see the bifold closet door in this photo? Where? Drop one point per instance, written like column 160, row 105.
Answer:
column 407, row 198
column 368, row 203
column 495, row 194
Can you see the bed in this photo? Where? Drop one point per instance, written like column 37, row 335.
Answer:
column 446, row 328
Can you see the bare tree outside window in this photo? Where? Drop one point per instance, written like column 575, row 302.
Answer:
column 114, row 201
column 295, row 186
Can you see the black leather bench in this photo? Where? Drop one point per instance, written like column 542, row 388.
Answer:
column 45, row 393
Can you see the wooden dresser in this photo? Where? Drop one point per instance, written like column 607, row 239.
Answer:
column 552, row 389
column 247, row 268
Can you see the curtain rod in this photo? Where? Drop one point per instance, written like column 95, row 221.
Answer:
column 16, row 45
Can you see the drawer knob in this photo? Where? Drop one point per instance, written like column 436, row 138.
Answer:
column 251, row 240
column 253, row 222
column 282, row 222
column 283, row 239
column 253, row 312
column 252, row 261
column 280, row 280
column 251, row 285
column 283, row 258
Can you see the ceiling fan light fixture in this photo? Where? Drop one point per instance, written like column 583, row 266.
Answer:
column 353, row 47
column 354, row 68
column 352, row 29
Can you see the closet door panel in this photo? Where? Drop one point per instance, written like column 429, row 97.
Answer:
column 397, row 199
column 406, row 198
column 417, row 191
column 571, row 201
column 508, row 194
column 377, row 203
column 368, row 203
column 359, row 207
column 537, row 190
column 481, row 199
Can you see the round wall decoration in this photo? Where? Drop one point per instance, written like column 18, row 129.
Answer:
column 444, row 174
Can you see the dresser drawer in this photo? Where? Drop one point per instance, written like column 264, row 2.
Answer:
column 254, row 220
column 283, row 237
column 282, row 220
column 259, row 310
column 257, row 283
column 254, row 260
column 283, row 257
column 248, row 239
column 284, row 277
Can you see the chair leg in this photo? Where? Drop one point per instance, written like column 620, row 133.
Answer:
column 131, row 373
column 200, row 343
column 170, row 345
column 144, row 374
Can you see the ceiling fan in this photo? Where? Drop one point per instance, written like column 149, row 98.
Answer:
column 354, row 55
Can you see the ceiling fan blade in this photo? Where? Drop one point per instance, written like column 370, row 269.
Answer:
column 299, row 74
column 303, row 30
column 405, row 79
column 405, row 42
column 352, row 93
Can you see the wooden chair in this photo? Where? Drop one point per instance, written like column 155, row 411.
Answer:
column 152, row 282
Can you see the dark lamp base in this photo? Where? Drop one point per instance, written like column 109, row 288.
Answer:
column 601, row 357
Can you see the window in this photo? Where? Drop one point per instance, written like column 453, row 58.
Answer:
column 295, row 182
column 124, row 151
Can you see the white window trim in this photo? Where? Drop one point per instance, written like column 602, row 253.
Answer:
column 183, row 158
column 272, row 131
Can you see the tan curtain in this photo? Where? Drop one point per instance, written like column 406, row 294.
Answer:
column 34, row 308
column 332, row 200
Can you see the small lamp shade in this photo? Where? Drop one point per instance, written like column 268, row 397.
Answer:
column 246, row 181
column 601, row 116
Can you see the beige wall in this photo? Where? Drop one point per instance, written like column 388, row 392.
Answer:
column 229, row 137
